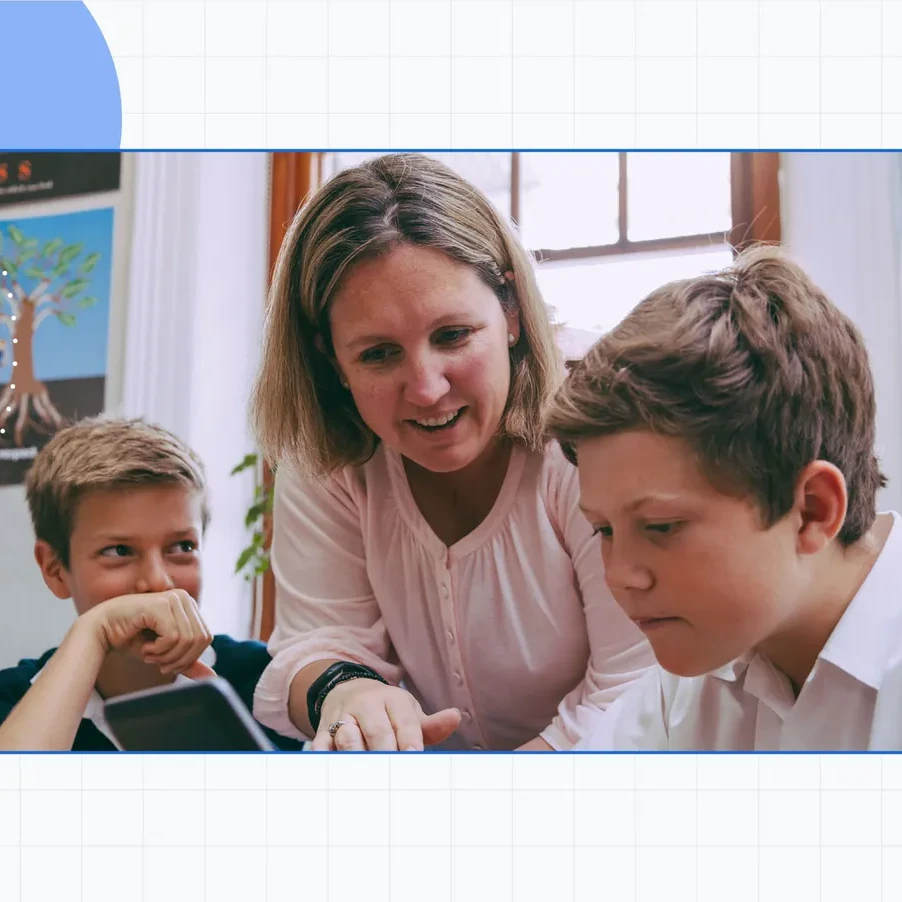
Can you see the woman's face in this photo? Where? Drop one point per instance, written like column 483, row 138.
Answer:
column 422, row 343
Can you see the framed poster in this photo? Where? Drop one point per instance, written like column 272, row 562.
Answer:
column 28, row 177
column 55, row 277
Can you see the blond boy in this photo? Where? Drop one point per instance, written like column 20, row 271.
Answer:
column 119, row 509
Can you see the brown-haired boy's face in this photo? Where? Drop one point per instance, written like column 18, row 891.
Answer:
column 127, row 541
column 694, row 568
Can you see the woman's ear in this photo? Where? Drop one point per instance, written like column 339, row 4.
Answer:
column 513, row 324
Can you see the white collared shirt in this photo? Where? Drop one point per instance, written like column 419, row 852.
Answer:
column 94, row 710
column 851, row 701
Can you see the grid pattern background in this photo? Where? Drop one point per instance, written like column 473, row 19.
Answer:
column 501, row 73
column 451, row 828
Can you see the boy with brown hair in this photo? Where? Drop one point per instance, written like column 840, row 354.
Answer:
column 119, row 509
column 724, row 433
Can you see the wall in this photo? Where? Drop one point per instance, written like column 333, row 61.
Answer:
column 32, row 619
column 841, row 216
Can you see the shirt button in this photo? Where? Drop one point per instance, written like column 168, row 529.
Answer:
column 467, row 715
column 478, row 748
column 444, row 591
column 459, row 679
column 450, row 636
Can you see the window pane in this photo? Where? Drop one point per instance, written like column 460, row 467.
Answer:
column 670, row 194
column 568, row 199
column 489, row 172
column 590, row 297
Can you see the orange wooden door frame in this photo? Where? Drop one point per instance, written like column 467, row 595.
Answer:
column 294, row 176
column 755, row 186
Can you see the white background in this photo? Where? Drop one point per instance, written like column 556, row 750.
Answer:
column 466, row 827
column 507, row 73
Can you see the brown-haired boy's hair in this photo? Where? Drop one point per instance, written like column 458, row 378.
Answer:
column 755, row 368
column 104, row 453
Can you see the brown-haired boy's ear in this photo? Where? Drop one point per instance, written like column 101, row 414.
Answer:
column 51, row 569
column 821, row 503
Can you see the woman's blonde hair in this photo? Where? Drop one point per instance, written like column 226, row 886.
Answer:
column 301, row 413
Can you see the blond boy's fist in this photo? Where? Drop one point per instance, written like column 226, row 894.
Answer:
column 160, row 628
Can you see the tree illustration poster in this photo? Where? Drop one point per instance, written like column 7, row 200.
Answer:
column 55, row 279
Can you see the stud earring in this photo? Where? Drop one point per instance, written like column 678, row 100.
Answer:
column 511, row 340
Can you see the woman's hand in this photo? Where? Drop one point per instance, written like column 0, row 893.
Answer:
column 161, row 628
column 380, row 718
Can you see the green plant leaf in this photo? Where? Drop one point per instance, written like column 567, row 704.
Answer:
column 67, row 319
column 84, row 303
column 249, row 460
column 34, row 272
column 244, row 558
column 10, row 267
column 254, row 513
column 15, row 234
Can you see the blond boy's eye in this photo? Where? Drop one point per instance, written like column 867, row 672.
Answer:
column 116, row 551
column 186, row 546
column 606, row 532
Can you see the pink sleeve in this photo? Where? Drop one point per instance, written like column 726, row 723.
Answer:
column 325, row 607
column 619, row 654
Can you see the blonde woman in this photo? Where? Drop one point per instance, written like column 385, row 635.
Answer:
column 436, row 580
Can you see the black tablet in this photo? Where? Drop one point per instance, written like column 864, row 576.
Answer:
column 194, row 716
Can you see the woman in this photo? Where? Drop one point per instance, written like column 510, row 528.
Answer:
column 428, row 549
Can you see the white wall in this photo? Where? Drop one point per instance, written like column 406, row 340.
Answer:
column 32, row 619
column 841, row 218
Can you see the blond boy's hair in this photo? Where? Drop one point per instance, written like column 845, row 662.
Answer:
column 103, row 453
column 755, row 368
column 300, row 410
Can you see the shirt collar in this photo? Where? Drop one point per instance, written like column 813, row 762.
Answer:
column 868, row 631
column 867, row 634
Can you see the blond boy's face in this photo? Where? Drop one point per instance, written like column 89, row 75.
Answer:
column 127, row 541
column 691, row 566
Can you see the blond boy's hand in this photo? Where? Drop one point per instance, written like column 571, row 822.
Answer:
column 161, row 628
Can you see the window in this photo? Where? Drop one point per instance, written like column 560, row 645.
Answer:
column 607, row 228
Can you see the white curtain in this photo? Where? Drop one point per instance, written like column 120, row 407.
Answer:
column 197, row 283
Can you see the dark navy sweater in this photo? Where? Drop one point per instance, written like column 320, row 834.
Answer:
column 241, row 664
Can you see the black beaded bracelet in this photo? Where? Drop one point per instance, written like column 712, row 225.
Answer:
column 328, row 680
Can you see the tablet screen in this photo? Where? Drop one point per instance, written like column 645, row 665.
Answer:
column 202, row 716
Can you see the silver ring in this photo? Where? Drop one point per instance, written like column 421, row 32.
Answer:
column 335, row 727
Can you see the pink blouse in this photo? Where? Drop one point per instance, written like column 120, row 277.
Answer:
column 514, row 624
